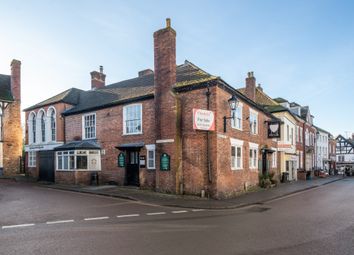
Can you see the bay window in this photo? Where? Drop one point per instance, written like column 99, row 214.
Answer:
column 72, row 160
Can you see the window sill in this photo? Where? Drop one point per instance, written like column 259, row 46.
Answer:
column 236, row 169
column 132, row 134
column 77, row 170
column 239, row 129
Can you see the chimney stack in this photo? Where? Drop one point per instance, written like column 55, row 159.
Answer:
column 164, row 79
column 251, row 86
column 16, row 79
column 98, row 79
column 353, row 136
column 167, row 110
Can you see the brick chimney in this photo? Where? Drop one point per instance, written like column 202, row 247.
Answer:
column 98, row 79
column 165, row 78
column 16, row 79
column 251, row 86
column 167, row 110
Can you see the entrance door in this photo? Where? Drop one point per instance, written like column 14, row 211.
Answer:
column 132, row 171
column 46, row 166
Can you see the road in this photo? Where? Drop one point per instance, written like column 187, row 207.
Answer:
column 35, row 220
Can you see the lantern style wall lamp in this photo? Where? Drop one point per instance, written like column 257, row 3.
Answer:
column 233, row 102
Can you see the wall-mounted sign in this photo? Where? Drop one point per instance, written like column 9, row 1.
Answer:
column 203, row 120
column 274, row 129
column 142, row 161
column 121, row 160
column 165, row 162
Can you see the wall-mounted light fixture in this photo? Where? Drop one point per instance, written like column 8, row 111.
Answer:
column 233, row 102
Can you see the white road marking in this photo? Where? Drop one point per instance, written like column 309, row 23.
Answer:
column 155, row 213
column 18, row 226
column 128, row 215
column 182, row 211
column 59, row 221
column 97, row 218
column 198, row 210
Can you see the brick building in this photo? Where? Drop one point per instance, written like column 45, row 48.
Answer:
column 10, row 121
column 151, row 131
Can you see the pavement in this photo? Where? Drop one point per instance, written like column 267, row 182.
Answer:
column 258, row 196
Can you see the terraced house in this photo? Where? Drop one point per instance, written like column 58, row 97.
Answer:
column 175, row 129
column 10, row 121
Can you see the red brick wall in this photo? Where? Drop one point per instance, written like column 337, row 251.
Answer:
column 230, row 182
column 109, row 134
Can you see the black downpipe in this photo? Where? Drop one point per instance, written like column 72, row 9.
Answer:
column 208, row 139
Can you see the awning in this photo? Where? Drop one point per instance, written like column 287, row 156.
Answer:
column 127, row 146
column 79, row 145
column 267, row 150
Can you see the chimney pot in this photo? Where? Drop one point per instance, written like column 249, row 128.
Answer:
column 101, row 69
column 168, row 22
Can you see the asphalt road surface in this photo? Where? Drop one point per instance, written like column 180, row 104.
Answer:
column 35, row 220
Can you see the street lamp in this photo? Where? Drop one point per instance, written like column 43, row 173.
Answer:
column 233, row 101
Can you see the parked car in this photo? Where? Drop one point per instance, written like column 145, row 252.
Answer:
column 322, row 174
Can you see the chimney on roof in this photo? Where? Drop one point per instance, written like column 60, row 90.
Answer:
column 251, row 86
column 16, row 79
column 353, row 136
column 260, row 87
column 145, row 72
column 98, row 79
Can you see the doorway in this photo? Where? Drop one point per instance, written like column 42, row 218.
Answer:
column 46, row 166
column 132, row 170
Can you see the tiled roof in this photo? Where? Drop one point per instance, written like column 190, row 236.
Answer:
column 261, row 97
column 5, row 88
column 77, row 145
column 143, row 86
column 280, row 100
column 70, row 96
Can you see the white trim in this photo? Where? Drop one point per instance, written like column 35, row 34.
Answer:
column 253, row 145
column 141, row 119
column 234, row 141
column 165, row 141
column 150, row 147
column 253, row 111
column 236, row 146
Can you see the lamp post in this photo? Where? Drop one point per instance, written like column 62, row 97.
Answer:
column 233, row 101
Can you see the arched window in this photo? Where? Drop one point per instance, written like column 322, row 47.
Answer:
column 32, row 128
column 52, row 118
column 41, row 119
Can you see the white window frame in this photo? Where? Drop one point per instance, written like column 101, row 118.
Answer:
column 51, row 110
column 253, row 161
column 237, row 144
column 236, row 123
column 84, row 137
column 32, row 158
column 125, row 119
column 90, row 154
column 274, row 158
column 151, row 148
column 253, row 115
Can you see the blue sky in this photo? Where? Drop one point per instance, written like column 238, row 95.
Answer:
column 300, row 50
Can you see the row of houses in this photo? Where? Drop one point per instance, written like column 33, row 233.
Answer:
column 175, row 129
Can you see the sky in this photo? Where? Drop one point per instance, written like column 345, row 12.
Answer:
column 302, row 51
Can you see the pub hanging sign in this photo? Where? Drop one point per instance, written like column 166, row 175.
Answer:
column 274, row 129
column 165, row 162
column 121, row 160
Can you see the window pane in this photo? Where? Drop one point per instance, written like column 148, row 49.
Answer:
column 81, row 162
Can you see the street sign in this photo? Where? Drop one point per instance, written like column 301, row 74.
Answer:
column 165, row 162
